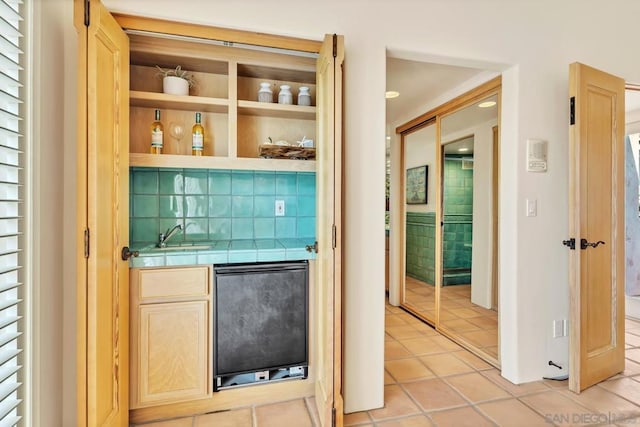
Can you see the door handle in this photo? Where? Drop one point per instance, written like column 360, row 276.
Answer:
column 127, row 253
column 584, row 244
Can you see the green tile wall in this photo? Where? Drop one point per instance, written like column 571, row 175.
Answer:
column 458, row 188
column 220, row 204
column 421, row 246
column 458, row 223
column 457, row 231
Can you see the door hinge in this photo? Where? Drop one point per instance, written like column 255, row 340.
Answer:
column 570, row 243
column 86, row 12
column 335, row 45
column 86, row 243
column 333, row 417
column 572, row 110
column 334, row 237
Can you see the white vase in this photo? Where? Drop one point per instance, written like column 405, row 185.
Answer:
column 265, row 94
column 304, row 97
column 173, row 85
column 285, row 96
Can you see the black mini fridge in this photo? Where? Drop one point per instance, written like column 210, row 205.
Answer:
column 260, row 323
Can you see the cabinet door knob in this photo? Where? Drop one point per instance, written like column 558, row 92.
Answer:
column 127, row 253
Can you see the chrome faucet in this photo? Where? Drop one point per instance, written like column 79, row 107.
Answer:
column 162, row 243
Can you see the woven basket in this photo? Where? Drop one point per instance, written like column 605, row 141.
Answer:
column 270, row 151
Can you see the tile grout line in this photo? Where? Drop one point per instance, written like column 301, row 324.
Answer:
column 254, row 416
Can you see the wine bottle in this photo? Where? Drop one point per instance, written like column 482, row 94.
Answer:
column 197, row 137
column 157, row 134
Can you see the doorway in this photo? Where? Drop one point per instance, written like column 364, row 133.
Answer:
column 447, row 185
column 632, row 205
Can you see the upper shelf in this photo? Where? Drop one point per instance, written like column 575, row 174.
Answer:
column 219, row 105
column 178, row 102
column 276, row 110
column 216, row 162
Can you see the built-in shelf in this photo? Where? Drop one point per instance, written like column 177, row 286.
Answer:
column 266, row 109
column 178, row 102
column 213, row 162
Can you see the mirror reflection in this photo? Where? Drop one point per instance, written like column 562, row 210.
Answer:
column 419, row 157
column 468, row 307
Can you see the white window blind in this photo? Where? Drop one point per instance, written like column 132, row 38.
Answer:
column 11, row 209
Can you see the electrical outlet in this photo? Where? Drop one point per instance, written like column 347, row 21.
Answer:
column 279, row 207
column 559, row 328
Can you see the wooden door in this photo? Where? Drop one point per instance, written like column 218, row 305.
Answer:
column 103, row 226
column 328, row 280
column 596, row 214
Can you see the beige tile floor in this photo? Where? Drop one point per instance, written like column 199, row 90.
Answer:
column 431, row 381
column 477, row 325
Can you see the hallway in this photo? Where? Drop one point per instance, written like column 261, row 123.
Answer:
column 431, row 381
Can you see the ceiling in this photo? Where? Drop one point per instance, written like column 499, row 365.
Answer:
column 460, row 147
column 631, row 100
column 466, row 118
column 419, row 83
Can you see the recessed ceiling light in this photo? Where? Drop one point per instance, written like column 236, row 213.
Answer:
column 487, row 104
column 391, row 94
column 462, row 150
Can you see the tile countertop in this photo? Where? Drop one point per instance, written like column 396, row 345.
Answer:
column 222, row 252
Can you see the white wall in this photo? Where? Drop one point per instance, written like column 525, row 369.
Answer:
column 536, row 41
column 420, row 150
column 51, row 21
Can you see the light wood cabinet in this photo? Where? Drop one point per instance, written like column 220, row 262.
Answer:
column 170, row 335
column 116, row 99
column 226, row 92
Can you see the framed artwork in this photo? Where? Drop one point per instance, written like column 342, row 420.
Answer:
column 417, row 185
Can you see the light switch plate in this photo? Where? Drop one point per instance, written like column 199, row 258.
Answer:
column 279, row 207
column 532, row 207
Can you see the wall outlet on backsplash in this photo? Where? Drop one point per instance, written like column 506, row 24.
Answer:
column 279, row 208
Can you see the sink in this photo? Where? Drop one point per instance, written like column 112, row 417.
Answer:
column 181, row 248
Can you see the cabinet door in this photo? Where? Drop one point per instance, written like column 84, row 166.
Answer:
column 329, row 231
column 103, row 219
column 173, row 352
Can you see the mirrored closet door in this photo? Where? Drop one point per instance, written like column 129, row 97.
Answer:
column 450, row 167
column 468, row 306
column 419, row 150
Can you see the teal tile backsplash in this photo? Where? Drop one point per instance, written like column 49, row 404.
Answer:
column 286, row 183
column 221, row 204
column 220, row 182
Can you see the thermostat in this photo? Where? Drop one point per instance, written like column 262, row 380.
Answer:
column 536, row 155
